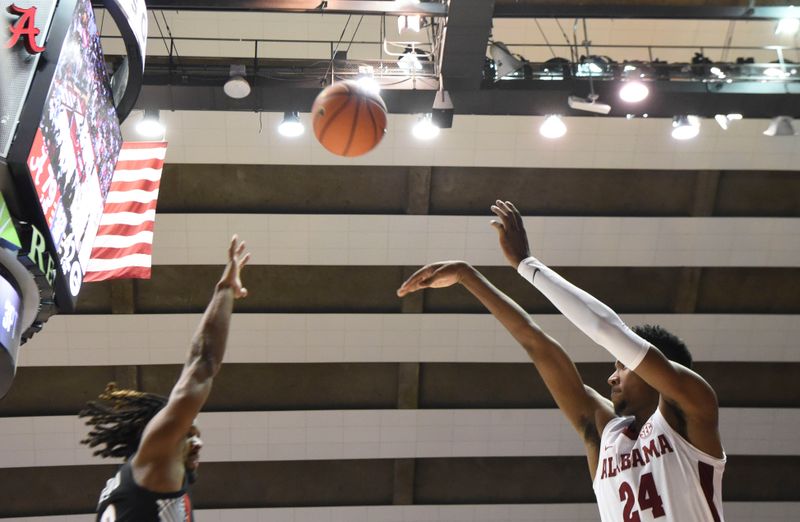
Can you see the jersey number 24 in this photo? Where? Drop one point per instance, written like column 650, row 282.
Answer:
column 648, row 499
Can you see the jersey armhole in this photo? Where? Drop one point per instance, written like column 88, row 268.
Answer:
column 699, row 454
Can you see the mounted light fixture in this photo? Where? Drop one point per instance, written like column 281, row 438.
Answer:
column 685, row 127
column 789, row 24
column 409, row 61
column 291, row 126
column 724, row 120
column 781, row 126
column 443, row 110
column 366, row 79
column 424, row 129
column 633, row 92
column 406, row 23
column 553, row 127
column 237, row 86
column 150, row 125
column 504, row 62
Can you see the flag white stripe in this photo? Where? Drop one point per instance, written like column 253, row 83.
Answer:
column 128, row 218
column 104, row 265
column 142, row 154
column 112, row 241
column 125, row 196
column 148, row 174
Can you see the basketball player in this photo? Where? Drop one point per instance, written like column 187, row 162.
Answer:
column 157, row 436
column 653, row 449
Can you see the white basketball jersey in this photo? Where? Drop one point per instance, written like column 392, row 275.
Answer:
column 655, row 475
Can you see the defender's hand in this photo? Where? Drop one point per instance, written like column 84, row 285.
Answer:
column 435, row 275
column 513, row 239
column 237, row 259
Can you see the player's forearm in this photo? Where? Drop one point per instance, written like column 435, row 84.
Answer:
column 211, row 337
column 589, row 314
column 516, row 320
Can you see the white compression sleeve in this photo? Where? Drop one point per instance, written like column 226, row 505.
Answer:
column 591, row 316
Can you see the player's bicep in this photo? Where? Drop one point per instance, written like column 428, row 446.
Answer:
column 582, row 405
column 680, row 386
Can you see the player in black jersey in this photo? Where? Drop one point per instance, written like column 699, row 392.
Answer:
column 157, row 436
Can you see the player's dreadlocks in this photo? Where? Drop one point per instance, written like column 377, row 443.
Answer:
column 118, row 420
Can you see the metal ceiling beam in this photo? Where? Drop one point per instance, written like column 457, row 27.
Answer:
column 696, row 9
column 376, row 7
column 469, row 24
column 667, row 99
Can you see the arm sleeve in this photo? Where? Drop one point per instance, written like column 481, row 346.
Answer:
column 591, row 316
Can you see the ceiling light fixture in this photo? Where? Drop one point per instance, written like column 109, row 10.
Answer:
column 237, row 86
column 634, row 92
column 685, row 127
column 788, row 25
column 366, row 79
column 409, row 61
column 781, row 126
column 150, row 125
column 504, row 62
column 291, row 126
column 553, row 127
column 424, row 129
column 724, row 120
column 406, row 23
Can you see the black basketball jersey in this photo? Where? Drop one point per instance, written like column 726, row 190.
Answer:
column 122, row 500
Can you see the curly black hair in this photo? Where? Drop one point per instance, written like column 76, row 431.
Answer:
column 118, row 419
column 667, row 343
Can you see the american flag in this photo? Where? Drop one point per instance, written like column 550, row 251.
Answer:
column 124, row 242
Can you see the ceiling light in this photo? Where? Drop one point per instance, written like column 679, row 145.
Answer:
column 237, row 86
column 788, row 26
column 780, row 126
column 633, row 92
column 366, row 79
column 424, row 129
column 291, row 126
column 722, row 120
column 150, row 125
column 685, row 127
column 775, row 72
column 409, row 61
column 553, row 127
column 504, row 62
column 406, row 23
column 593, row 66
column 588, row 104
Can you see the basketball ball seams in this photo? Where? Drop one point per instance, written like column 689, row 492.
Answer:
column 374, row 123
column 354, row 126
column 329, row 120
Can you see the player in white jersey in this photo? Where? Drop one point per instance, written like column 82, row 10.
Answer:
column 653, row 449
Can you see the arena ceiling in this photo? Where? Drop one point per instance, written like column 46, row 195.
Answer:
column 339, row 401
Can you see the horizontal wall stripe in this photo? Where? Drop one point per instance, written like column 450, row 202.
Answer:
column 372, row 289
column 127, row 339
column 352, row 189
column 447, row 481
column 57, row 390
column 198, row 239
column 490, row 141
column 384, row 434
column 734, row 512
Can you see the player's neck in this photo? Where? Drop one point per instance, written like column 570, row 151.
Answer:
column 642, row 415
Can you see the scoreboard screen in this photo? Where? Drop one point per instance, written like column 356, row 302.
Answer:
column 75, row 147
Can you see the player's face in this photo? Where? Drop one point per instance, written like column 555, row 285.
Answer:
column 629, row 392
column 191, row 449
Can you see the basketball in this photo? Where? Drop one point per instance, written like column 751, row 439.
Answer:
column 348, row 119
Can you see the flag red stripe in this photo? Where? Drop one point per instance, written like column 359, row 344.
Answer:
column 154, row 166
column 142, row 184
column 131, row 272
column 114, row 253
column 145, row 145
column 150, row 163
column 130, row 206
column 125, row 230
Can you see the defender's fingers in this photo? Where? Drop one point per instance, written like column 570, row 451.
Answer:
column 244, row 260
column 497, row 226
column 515, row 214
column 232, row 246
column 503, row 215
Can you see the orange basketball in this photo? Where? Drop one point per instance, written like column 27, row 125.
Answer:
column 348, row 119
